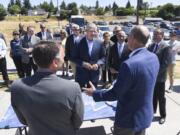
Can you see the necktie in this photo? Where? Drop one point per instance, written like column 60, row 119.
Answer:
column 120, row 50
column 155, row 48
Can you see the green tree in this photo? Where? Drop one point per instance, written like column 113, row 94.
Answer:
column 100, row 11
column 27, row 4
column 166, row 11
column 15, row 9
column 51, row 6
column 18, row 2
column 124, row 11
column 45, row 6
column 74, row 11
column 107, row 9
column 177, row 11
column 140, row 2
column 97, row 4
column 114, row 7
column 63, row 15
column 10, row 4
column 128, row 5
column 24, row 11
column 72, row 7
column 2, row 12
column 63, row 5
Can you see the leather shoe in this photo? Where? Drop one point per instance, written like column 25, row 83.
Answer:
column 162, row 120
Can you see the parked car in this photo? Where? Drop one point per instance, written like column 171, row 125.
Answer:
column 176, row 24
column 126, row 29
column 103, row 29
column 166, row 34
column 101, row 23
column 167, row 25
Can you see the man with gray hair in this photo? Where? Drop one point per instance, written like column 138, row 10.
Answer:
column 89, row 57
column 163, row 52
column 134, row 87
column 119, row 52
column 71, row 47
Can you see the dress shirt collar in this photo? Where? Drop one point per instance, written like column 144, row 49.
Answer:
column 135, row 51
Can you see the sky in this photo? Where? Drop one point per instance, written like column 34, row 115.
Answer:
column 121, row 3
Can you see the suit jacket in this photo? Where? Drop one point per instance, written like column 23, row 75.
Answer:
column 47, row 104
column 164, row 55
column 114, row 38
column 27, row 43
column 106, row 48
column 70, row 48
column 114, row 60
column 48, row 35
column 83, row 76
column 134, row 91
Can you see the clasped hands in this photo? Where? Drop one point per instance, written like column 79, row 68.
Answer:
column 90, row 66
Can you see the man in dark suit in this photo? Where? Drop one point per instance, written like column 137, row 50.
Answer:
column 89, row 57
column 134, row 87
column 27, row 43
column 163, row 52
column 71, row 46
column 119, row 52
column 47, row 104
column 115, row 31
column 106, row 74
column 43, row 34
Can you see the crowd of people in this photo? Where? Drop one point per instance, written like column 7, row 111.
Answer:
column 134, row 73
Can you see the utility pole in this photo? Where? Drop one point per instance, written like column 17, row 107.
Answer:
column 58, row 13
column 137, row 12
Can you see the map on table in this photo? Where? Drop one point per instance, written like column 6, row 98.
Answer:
column 98, row 110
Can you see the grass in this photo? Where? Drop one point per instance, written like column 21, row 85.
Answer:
column 11, row 23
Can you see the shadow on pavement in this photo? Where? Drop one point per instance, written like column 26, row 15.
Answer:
column 99, row 130
column 176, row 88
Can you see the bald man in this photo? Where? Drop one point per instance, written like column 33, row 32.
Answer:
column 134, row 87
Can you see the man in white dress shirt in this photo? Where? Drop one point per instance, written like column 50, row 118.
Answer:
column 3, row 67
column 175, row 48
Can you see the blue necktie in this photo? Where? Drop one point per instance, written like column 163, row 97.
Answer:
column 155, row 48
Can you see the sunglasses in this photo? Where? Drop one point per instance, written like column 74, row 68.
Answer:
column 15, row 34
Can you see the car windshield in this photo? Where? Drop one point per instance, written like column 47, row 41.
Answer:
column 104, row 28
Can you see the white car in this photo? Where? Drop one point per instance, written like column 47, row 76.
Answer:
column 103, row 29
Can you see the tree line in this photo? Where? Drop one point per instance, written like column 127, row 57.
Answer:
column 64, row 11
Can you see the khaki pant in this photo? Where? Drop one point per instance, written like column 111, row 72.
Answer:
column 171, row 74
column 73, row 66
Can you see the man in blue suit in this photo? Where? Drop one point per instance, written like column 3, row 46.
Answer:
column 134, row 87
column 89, row 57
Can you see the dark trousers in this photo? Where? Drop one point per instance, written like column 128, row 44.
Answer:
column 29, row 67
column 106, row 73
column 126, row 131
column 3, row 69
column 19, row 66
column 159, row 97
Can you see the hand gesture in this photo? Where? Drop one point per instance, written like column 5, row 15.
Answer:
column 89, row 91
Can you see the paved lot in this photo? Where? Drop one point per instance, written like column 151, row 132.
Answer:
column 171, row 127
